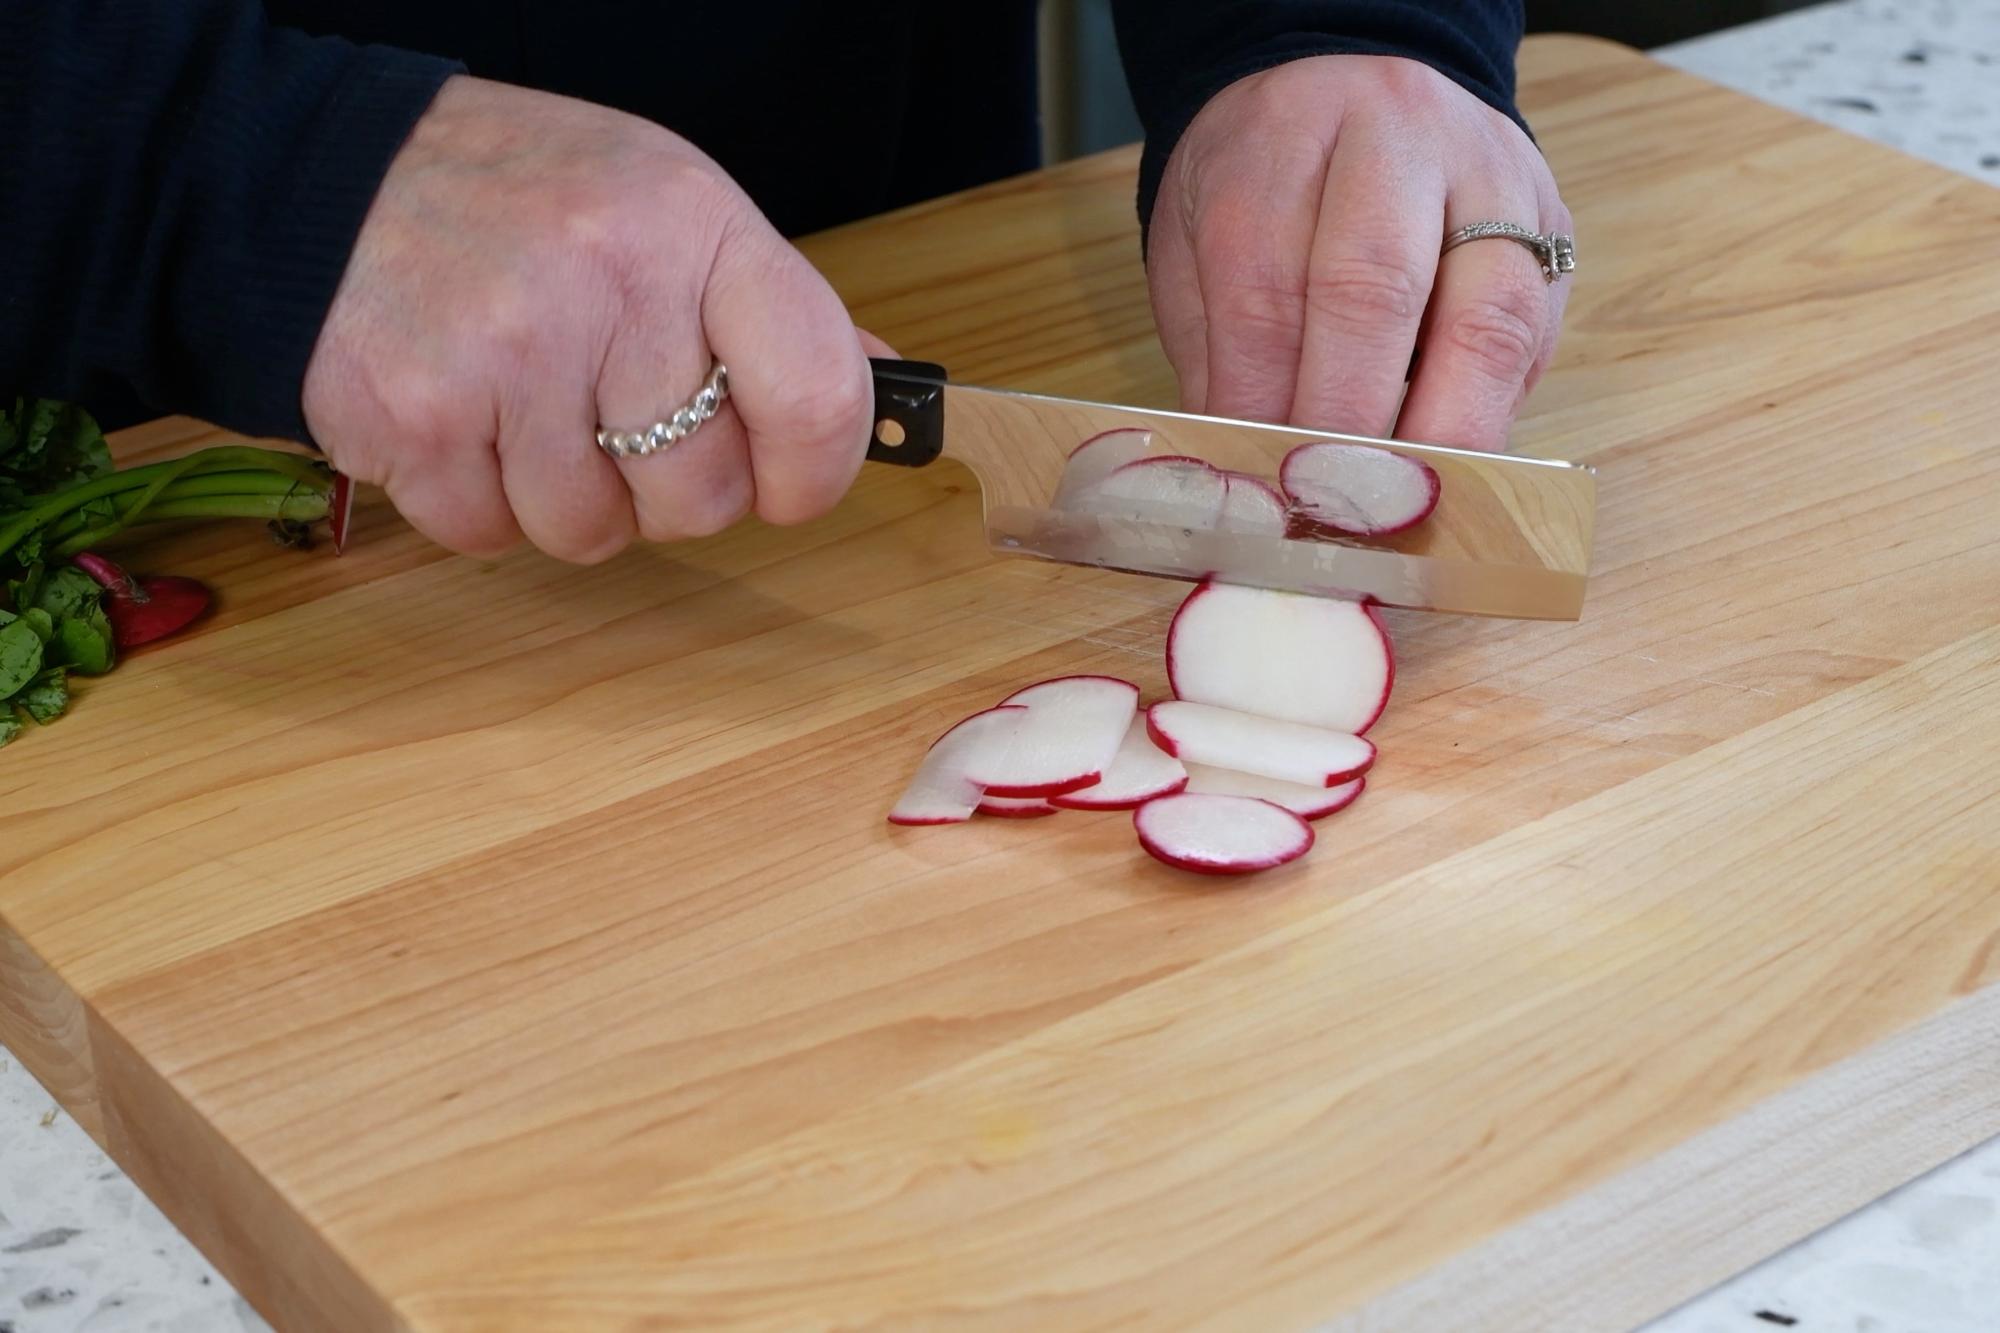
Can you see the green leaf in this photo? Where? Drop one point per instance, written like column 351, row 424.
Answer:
column 20, row 657
column 41, row 622
column 10, row 726
column 68, row 591
column 85, row 643
column 46, row 696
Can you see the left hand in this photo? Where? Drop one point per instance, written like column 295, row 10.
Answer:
column 1294, row 256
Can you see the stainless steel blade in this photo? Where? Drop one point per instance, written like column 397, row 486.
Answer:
column 1511, row 536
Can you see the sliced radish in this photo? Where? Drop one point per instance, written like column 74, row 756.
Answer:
column 1014, row 807
column 1073, row 729
column 340, row 510
column 1316, row 660
column 941, row 793
column 1139, row 772
column 1303, row 801
column 1247, row 743
column 1171, row 489
column 1251, row 505
column 1359, row 489
column 1221, row 835
column 1098, row 457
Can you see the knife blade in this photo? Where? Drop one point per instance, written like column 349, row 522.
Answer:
column 1510, row 537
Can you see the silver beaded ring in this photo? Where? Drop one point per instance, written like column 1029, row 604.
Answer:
column 1555, row 251
column 706, row 402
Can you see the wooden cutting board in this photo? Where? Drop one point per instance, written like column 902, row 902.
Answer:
column 459, row 946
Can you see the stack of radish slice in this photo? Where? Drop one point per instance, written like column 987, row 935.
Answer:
column 1273, row 692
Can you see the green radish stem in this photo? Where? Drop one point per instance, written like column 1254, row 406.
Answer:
column 301, row 507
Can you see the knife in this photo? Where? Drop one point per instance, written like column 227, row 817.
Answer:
column 1510, row 536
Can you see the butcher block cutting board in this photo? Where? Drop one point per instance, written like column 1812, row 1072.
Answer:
column 461, row 946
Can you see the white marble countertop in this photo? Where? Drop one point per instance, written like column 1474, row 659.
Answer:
column 82, row 1251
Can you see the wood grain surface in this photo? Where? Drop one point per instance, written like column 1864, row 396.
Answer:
column 457, row 946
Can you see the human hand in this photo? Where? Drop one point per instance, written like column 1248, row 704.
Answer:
column 1294, row 255
column 534, row 266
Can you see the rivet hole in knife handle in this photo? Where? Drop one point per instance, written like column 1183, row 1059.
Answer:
column 1511, row 536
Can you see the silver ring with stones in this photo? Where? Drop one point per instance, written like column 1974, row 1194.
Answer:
column 1555, row 251
column 670, row 430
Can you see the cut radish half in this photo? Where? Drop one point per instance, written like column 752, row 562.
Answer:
column 1073, row 729
column 1221, row 835
column 1246, row 743
column 1315, row 660
column 1359, row 489
column 1012, row 807
column 1303, row 801
column 1171, row 489
column 340, row 510
column 1097, row 458
column 1139, row 772
column 941, row 793
column 1251, row 505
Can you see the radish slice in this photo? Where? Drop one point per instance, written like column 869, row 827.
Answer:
column 1303, row 801
column 1011, row 807
column 1171, row 489
column 1246, row 743
column 1359, row 489
column 1139, row 772
column 1251, row 505
column 340, row 510
column 1315, row 660
column 941, row 793
column 1221, row 835
column 1073, row 729
column 1097, row 458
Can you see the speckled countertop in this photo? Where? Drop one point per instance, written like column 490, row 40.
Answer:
column 82, row 1251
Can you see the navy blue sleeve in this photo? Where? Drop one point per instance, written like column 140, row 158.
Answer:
column 180, row 186
column 1180, row 53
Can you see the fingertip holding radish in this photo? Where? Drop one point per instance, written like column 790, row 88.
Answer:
column 1221, row 835
column 1359, row 490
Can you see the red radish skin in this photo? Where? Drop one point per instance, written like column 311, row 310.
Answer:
column 1073, row 730
column 1318, row 661
column 1221, row 835
column 1170, row 489
column 1249, row 743
column 1303, row 801
column 144, row 609
column 941, row 793
column 340, row 510
column 1252, row 505
column 1007, row 807
column 1097, row 458
column 1359, row 490
column 1139, row 772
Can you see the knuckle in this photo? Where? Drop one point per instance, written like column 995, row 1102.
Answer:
column 820, row 401
column 1366, row 296
column 1498, row 334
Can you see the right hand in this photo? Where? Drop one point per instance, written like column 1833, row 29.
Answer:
column 534, row 266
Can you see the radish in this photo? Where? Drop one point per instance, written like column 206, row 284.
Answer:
column 1097, row 458
column 1314, row 660
column 1138, row 773
column 1074, row 727
column 1247, row 743
column 1171, row 489
column 340, row 510
column 1251, row 505
column 941, row 793
column 1359, row 489
column 1012, row 807
column 1221, row 835
column 1303, row 801
column 143, row 609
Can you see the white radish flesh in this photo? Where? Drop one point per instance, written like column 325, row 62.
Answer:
column 1251, row 506
column 1247, row 743
column 1074, row 727
column 941, row 792
column 1221, row 835
column 1097, row 458
column 1314, row 660
column 1359, row 489
column 1013, row 807
column 1303, row 801
column 1171, row 489
column 1139, row 772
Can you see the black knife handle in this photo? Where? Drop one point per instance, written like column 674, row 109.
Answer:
column 909, row 412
